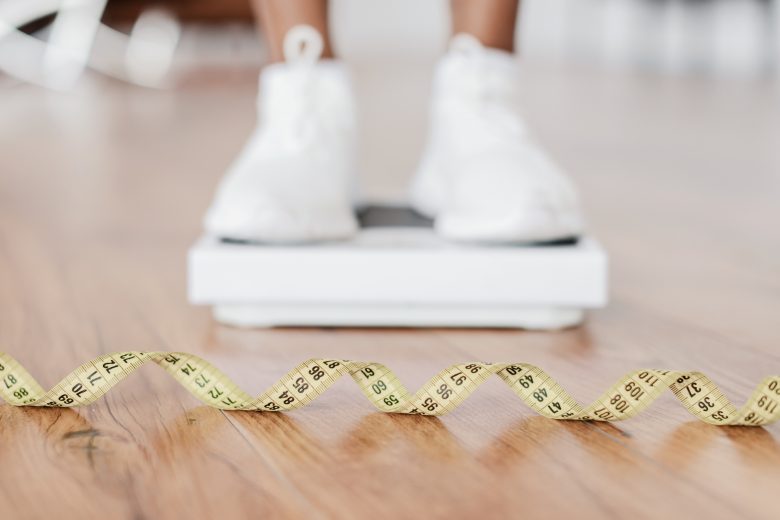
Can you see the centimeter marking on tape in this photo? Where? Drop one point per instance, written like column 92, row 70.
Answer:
column 629, row 396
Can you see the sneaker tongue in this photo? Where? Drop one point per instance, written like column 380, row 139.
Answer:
column 474, row 72
column 467, row 53
column 465, row 43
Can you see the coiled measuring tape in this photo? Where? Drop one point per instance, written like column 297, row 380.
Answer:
column 629, row 396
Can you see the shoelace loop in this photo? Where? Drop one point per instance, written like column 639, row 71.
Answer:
column 303, row 44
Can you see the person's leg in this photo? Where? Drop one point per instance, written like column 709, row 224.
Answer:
column 481, row 177
column 293, row 180
column 492, row 22
column 277, row 17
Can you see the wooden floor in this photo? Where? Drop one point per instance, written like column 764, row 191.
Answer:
column 101, row 192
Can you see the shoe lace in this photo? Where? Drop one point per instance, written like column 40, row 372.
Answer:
column 485, row 94
column 302, row 47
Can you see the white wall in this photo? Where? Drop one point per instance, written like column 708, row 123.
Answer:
column 719, row 37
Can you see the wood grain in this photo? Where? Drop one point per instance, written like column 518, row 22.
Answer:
column 101, row 192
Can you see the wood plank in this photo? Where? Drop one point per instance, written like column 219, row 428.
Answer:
column 101, row 194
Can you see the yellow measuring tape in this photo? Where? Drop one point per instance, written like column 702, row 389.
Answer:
column 629, row 396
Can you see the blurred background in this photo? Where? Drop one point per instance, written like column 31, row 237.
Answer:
column 118, row 117
column 680, row 87
column 733, row 38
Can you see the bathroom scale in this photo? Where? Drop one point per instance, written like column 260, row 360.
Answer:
column 397, row 272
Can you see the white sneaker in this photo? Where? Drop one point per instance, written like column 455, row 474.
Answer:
column 481, row 177
column 294, row 179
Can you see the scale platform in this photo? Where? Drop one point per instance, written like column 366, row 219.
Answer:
column 398, row 273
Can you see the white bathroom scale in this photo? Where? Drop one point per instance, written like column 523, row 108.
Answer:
column 398, row 273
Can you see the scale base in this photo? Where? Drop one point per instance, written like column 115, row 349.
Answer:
column 397, row 272
column 460, row 316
